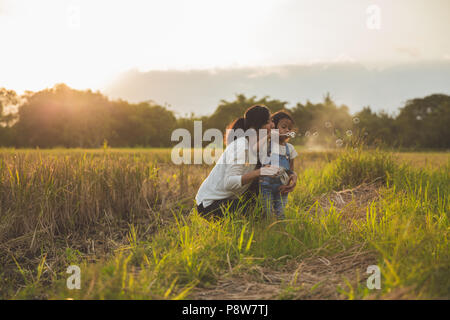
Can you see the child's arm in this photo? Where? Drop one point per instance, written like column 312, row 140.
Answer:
column 292, row 180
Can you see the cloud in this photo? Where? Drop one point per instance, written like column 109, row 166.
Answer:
column 352, row 84
column 2, row 8
column 409, row 51
column 268, row 71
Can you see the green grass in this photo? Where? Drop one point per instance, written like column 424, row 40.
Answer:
column 409, row 228
column 406, row 229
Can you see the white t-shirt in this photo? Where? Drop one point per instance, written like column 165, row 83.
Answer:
column 225, row 179
column 292, row 151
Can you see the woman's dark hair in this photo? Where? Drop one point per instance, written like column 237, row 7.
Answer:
column 254, row 117
column 282, row 114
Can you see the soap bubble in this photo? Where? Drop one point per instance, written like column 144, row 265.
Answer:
column 339, row 142
column 328, row 124
column 349, row 133
column 356, row 120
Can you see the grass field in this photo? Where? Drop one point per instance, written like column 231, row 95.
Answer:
column 126, row 218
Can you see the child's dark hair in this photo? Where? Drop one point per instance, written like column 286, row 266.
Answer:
column 254, row 117
column 282, row 114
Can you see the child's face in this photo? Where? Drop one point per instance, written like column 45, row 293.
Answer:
column 284, row 126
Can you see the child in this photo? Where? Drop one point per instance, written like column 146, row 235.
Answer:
column 269, row 186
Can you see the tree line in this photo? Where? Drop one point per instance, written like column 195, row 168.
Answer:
column 65, row 117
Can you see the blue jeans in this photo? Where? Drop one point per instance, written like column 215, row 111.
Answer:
column 271, row 196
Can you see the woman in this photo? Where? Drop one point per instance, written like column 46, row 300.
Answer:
column 233, row 173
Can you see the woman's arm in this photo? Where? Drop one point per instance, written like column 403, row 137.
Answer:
column 236, row 174
column 249, row 177
column 264, row 171
column 232, row 182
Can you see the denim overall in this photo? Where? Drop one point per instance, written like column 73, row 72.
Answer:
column 269, row 188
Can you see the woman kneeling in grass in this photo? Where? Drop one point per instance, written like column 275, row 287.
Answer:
column 236, row 169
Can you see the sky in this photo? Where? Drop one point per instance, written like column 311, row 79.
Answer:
column 94, row 44
column 350, row 84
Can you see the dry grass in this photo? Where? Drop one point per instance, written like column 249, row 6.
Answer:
column 352, row 202
column 424, row 159
column 69, row 205
column 84, row 201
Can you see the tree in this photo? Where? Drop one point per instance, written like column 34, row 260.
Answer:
column 377, row 128
column 7, row 98
column 321, row 123
column 227, row 111
column 424, row 122
column 141, row 124
column 62, row 116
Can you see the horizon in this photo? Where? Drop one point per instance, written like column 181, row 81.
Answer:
column 121, row 83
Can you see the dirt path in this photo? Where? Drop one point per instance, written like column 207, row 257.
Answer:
column 314, row 277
